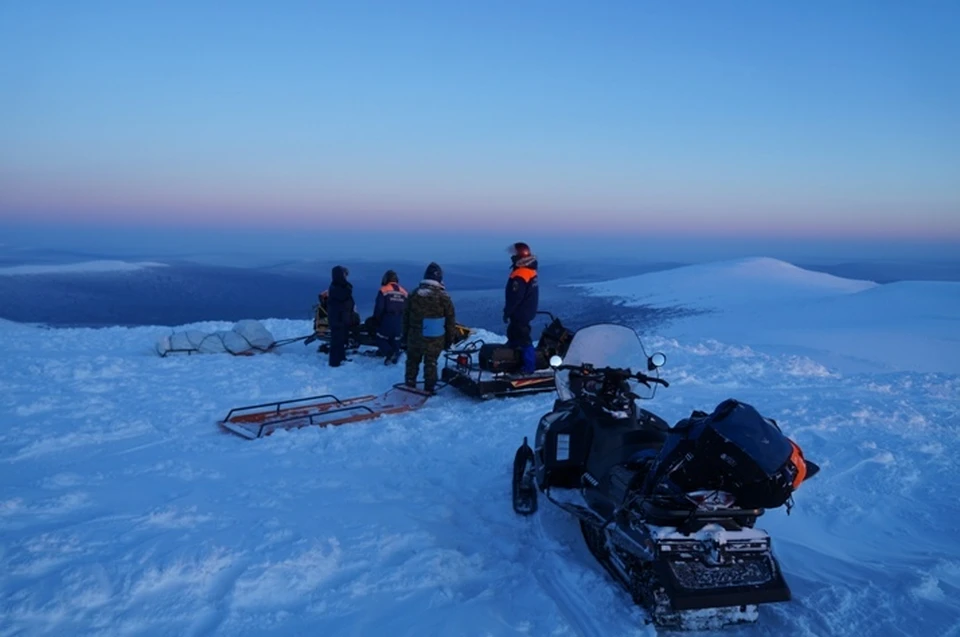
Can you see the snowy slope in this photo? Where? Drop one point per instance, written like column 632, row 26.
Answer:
column 123, row 510
column 777, row 307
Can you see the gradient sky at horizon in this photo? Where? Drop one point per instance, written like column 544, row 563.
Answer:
column 815, row 119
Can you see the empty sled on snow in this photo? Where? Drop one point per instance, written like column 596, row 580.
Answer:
column 257, row 421
column 492, row 370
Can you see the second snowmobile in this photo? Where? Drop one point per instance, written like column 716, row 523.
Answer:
column 493, row 370
column 669, row 512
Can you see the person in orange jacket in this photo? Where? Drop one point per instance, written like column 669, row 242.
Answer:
column 522, row 300
column 388, row 317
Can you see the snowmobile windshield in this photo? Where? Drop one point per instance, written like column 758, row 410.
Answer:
column 606, row 345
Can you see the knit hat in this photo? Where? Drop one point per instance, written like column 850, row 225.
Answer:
column 434, row 273
column 389, row 277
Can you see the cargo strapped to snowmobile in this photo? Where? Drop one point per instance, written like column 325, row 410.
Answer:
column 257, row 421
column 493, row 370
column 735, row 449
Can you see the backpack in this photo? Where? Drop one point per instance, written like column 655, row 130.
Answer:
column 734, row 449
column 555, row 339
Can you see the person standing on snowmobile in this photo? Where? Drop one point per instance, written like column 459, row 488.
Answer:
column 340, row 314
column 429, row 326
column 522, row 302
column 388, row 316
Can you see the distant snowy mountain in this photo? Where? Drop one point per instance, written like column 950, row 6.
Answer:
column 80, row 267
column 727, row 284
column 124, row 510
column 770, row 304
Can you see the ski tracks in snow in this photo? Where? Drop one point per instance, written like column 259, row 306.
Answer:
column 123, row 510
column 590, row 601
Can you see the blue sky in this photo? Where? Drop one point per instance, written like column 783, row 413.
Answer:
column 768, row 119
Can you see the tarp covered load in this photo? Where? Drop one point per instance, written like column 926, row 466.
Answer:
column 245, row 338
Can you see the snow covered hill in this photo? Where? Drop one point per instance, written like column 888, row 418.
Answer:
column 777, row 307
column 728, row 284
column 123, row 510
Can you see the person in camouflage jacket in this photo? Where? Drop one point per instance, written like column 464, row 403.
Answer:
column 429, row 326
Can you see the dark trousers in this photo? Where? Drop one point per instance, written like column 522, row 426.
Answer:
column 427, row 351
column 388, row 345
column 338, row 345
column 518, row 337
column 518, row 334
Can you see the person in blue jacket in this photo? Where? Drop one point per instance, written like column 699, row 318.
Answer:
column 340, row 314
column 522, row 302
column 388, row 317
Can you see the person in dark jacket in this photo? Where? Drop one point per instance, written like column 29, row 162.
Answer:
column 340, row 314
column 429, row 327
column 522, row 302
column 388, row 317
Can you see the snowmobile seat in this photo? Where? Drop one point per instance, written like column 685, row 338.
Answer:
column 642, row 459
column 618, row 445
column 641, row 447
column 646, row 438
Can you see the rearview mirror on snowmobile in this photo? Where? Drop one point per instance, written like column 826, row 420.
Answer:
column 655, row 361
column 555, row 361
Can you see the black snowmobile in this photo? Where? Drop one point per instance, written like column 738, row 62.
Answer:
column 492, row 370
column 669, row 512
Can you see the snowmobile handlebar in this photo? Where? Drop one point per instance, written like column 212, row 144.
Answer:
column 614, row 374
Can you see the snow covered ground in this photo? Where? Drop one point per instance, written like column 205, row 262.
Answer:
column 123, row 509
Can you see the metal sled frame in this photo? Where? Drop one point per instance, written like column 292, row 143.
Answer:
column 462, row 370
column 257, row 421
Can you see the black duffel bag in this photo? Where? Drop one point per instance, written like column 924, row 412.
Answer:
column 497, row 357
column 734, row 449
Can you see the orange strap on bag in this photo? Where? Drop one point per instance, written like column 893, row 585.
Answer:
column 796, row 458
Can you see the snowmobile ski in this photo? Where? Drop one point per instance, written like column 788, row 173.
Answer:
column 524, row 487
column 257, row 421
